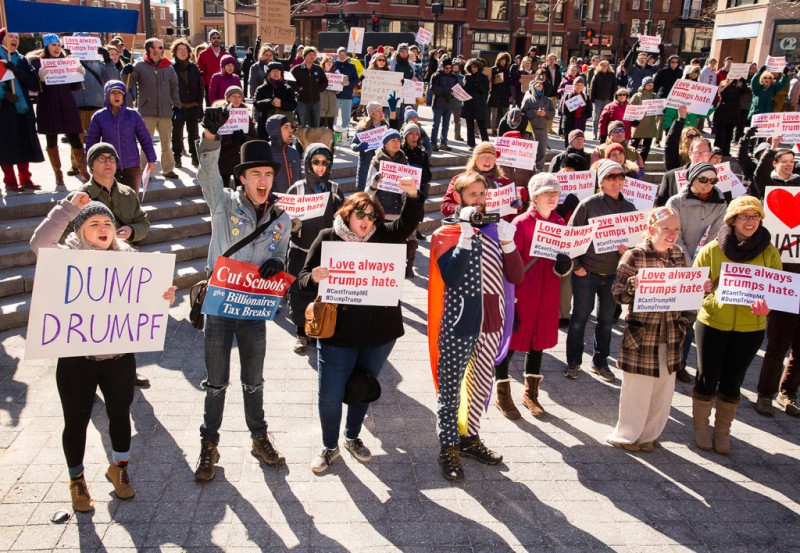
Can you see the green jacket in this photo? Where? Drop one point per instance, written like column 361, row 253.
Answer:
column 730, row 317
column 763, row 97
column 124, row 204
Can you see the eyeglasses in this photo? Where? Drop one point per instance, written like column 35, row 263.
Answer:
column 692, row 135
column 707, row 180
column 106, row 159
column 360, row 214
column 323, row 162
column 617, row 130
column 743, row 217
column 615, row 176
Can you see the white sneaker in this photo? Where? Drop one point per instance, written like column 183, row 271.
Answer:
column 324, row 460
column 300, row 344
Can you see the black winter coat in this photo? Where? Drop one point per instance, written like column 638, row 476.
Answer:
column 665, row 80
column 263, row 102
column 604, row 85
column 190, row 84
column 442, row 89
column 477, row 86
column 365, row 326
column 500, row 92
column 18, row 140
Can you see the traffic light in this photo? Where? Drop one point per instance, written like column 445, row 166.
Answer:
column 376, row 24
column 591, row 34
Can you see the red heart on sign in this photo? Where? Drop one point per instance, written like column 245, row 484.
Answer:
column 785, row 206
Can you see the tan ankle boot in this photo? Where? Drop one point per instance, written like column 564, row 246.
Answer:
column 504, row 402
column 81, row 500
column 118, row 476
column 55, row 163
column 80, row 161
column 701, row 411
column 530, row 398
column 726, row 412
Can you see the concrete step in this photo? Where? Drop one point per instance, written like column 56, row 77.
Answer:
column 18, row 254
column 176, row 229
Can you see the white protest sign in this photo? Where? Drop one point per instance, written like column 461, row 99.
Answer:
column 146, row 174
column 304, row 206
column 355, row 42
column 655, row 107
column 726, row 178
column 738, row 71
column 62, row 70
column 373, row 137
column 392, row 173
column 575, row 102
column 550, row 239
column 424, row 36
column 88, row 302
column 782, row 210
column 238, row 120
column 634, row 112
column 335, row 81
column 580, row 183
column 742, row 284
column 363, row 273
column 649, row 43
column 83, row 47
column 776, row 64
column 516, row 152
column 460, row 94
column 697, row 97
column 620, row 229
column 783, row 124
column 640, row 193
column 568, row 88
column 499, row 200
column 413, row 90
column 378, row 85
column 5, row 75
column 670, row 289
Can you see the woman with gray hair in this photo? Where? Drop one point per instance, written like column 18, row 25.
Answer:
column 536, row 304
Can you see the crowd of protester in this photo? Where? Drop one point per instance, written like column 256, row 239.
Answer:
column 488, row 297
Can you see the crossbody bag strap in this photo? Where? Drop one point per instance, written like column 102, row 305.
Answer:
column 252, row 236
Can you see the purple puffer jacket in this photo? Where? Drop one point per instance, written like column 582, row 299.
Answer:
column 122, row 130
column 221, row 81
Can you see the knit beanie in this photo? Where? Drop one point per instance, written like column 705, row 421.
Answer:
column 577, row 133
column 234, row 90
column 390, row 134
column 616, row 125
column 575, row 162
column 99, row 149
column 541, row 183
column 485, row 148
column 410, row 127
column 410, row 112
column 740, row 205
column 613, row 148
column 49, row 39
column 697, row 169
column 91, row 209
column 372, row 107
column 607, row 167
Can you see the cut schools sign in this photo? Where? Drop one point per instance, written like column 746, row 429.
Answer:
column 237, row 291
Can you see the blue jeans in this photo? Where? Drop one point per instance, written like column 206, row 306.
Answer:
column 346, row 111
column 584, row 290
column 334, row 365
column 308, row 114
column 440, row 116
column 251, row 338
column 687, row 341
column 599, row 105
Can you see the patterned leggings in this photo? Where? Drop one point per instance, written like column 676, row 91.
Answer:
column 473, row 358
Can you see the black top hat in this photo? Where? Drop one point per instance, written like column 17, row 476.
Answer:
column 256, row 153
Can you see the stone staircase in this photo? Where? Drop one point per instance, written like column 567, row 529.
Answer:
column 180, row 224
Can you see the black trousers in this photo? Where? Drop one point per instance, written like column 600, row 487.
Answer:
column 723, row 136
column 77, row 379
column 298, row 299
column 74, row 140
column 723, row 359
column 188, row 117
column 470, row 123
column 646, row 143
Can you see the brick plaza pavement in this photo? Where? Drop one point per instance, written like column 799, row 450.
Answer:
column 560, row 487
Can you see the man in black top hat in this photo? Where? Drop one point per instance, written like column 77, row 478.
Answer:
column 234, row 216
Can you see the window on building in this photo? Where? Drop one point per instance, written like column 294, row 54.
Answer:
column 96, row 4
column 111, row 5
column 665, row 6
column 498, row 10
column 637, row 5
column 123, row 6
column 447, row 3
column 635, row 27
column 523, row 8
column 162, row 13
column 541, row 9
column 556, row 42
column 694, row 40
column 490, row 40
column 589, row 15
column 211, row 8
column 737, row 3
column 406, row 2
column 691, row 9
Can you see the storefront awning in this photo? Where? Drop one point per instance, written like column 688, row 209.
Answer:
column 740, row 30
column 41, row 17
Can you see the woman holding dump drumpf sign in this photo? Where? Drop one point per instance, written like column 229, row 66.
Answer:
column 79, row 377
column 652, row 343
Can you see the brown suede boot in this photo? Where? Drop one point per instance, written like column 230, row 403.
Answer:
column 530, row 398
column 701, row 411
column 504, row 402
column 81, row 500
column 55, row 163
column 118, row 476
column 80, row 161
column 726, row 412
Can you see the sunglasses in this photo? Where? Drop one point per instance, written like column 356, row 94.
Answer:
column 615, row 176
column 618, row 130
column 360, row 214
column 323, row 162
column 706, row 180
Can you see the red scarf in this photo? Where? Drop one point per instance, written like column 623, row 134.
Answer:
column 161, row 64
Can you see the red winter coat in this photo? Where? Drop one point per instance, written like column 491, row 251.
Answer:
column 209, row 63
column 538, row 297
column 613, row 112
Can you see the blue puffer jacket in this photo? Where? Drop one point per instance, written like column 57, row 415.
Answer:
column 122, row 129
column 285, row 154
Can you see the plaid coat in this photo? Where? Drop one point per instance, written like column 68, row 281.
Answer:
column 639, row 354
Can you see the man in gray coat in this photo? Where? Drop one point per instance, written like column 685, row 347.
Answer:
column 154, row 84
column 539, row 110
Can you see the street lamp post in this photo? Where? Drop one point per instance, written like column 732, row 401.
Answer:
column 437, row 9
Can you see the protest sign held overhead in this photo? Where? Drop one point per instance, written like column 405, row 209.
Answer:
column 674, row 289
column 274, row 24
column 516, row 152
column 742, row 284
column 362, row 273
column 424, row 36
column 355, row 42
column 237, row 291
column 550, row 240
column 304, row 206
column 580, row 183
column 620, row 229
column 649, row 43
column 697, row 97
column 738, row 71
column 98, row 303
column 83, row 47
column 782, row 211
column 776, row 64
column 378, row 85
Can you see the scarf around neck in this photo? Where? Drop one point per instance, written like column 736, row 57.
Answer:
column 21, row 105
column 343, row 231
column 746, row 250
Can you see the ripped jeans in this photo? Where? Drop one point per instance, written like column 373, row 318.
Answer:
column 251, row 338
